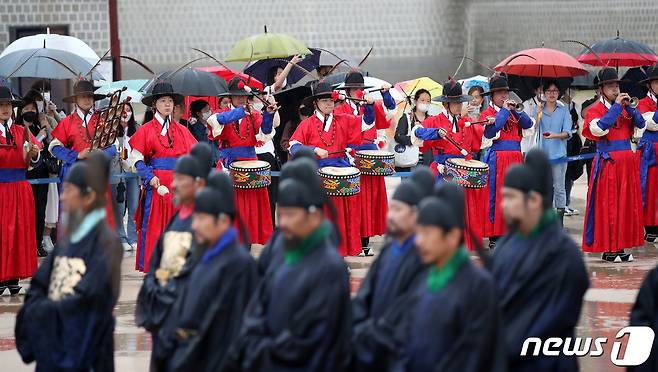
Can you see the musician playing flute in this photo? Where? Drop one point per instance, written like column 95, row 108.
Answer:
column 649, row 163
column 613, row 219
column 504, row 131
column 434, row 133
column 156, row 146
column 328, row 134
column 238, row 129
column 72, row 137
column 373, row 198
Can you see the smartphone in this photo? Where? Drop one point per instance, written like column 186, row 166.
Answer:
column 40, row 106
column 546, row 134
column 46, row 96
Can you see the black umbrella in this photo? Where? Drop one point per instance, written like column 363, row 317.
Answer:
column 292, row 96
column 630, row 82
column 618, row 51
column 260, row 69
column 190, row 82
column 525, row 86
column 584, row 81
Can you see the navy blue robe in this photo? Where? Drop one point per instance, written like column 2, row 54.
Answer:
column 456, row 328
column 541, row 282
column 300, row 316
column 66, row 322
column 154, row 300
column 392, row 275
column 645, row 313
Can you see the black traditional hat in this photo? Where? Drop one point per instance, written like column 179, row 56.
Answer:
column 607, row 75
column 300, row 185
column 652, row 74
column 534, row 174
column 92, row 174
column 7, row 96
column 453, row 195
column 354, row 80
column 306, row 152
column 497, row 82
column 197, row 163
column 409, row 193
column 83, row 87
column 217, row 197
column 236, row 87
column 162, row 89
column 452, row 92
column 436, row 211
column 423, row 177
column 318, row 91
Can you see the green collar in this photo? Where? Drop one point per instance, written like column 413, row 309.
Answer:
column 439, row 277
column 548, row 218
column 88, row 223
column 296, row 254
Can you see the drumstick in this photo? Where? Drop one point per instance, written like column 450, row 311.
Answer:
column 444, row 135
column 337, row 152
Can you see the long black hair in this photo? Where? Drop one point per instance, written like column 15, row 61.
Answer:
column 132, row 124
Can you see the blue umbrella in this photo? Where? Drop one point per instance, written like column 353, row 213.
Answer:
column 260, row 69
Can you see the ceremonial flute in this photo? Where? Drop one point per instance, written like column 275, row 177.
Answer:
column 444, row 135
column 481, row 121
column 338, row 96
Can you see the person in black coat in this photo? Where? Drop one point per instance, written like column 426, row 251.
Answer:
column 421, row 105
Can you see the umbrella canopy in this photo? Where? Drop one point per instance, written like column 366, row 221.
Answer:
column 261, row 69
column 542, row 62
column 617, row 52
column 264, row 46
column 39, row 63
column 191, row 82
column 53, row 41
column 631, row 82
column 132, row 89
column 525, row 86
column 292, row 96
column 227, row 75
column 478, row 80
column 584, row 81
column 410, row 87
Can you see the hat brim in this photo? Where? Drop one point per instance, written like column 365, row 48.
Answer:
column 648, row 80
column 308, row 101
column 452, row 99
column 14, row 102
column 353, row 86
column 488, row 93
column 71, row 99
column 148, row 100
column 601, row 83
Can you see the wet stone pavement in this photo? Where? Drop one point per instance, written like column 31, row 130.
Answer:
column 605, row 309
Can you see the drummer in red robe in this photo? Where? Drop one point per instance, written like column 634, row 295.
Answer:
column 505, row 133
column 457, row 128
column 238, row 129
column 72, row 137
column 18, row 251
column 328, row 134
column 156, row 146
column 649, row 163
column 613, row 220
column 373, row 198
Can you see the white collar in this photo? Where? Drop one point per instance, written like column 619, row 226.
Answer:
column 496, row 108
column 319, row 115
column 353, row 106
column 161, row 120
column 653, row 97
column 2, row 127
column 605, row 102
column 85, row 118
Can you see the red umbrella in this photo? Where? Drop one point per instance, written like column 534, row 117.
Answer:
column 541, row 62
column 227, row 75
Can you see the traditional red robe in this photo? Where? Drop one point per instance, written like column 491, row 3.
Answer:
column 372, row 198
column 613, row 219
column 467, row 138
column 649, row 162
column 159, row 156
column 18, row 250
column 237, row 141
column 72, row 134
column 344, row 130
column 504, row 159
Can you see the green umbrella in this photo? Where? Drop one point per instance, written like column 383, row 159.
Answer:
column 265, row 46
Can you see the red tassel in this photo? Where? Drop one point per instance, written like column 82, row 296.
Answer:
column 241, row 84
column 335, row 95
column 380, row 144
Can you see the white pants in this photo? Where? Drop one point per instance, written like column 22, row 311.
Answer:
column 52, row 206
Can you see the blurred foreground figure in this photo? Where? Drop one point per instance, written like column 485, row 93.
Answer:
column 538, row 269
column 66, row 323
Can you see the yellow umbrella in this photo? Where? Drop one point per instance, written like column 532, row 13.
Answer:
column 409, row 88
column 266, row 46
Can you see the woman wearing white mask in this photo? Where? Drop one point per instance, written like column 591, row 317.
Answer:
column 418, row 113
column 125, row 192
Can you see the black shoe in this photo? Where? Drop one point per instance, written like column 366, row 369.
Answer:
column 14, row 289
column 41, row 252
column 617, row 257
column 651, row 238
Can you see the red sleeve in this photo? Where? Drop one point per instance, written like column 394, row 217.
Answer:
column 592, row 113
column 60, row 132
column 257, row 119
column 139, row 142
column 475, row 141
column 300, row 133
column 380, row 116
column 353, row 127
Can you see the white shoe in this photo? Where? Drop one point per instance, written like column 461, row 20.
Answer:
column 617, row 259
column 127, row 247
column 133, row 246
column 48, row 245
column 630, row 258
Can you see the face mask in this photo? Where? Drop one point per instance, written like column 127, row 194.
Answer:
column 30, row 117
column 258, row 106
column 206, row 115
column 359, row 93
column 423, row 107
